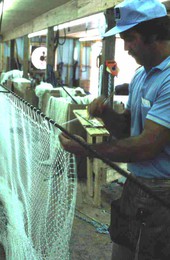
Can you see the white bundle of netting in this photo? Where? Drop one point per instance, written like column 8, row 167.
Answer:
column 37, row 200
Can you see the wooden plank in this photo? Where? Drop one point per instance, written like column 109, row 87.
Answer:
column 87, row 7
column 70, row 11
column 99, row 179
column 82, row 116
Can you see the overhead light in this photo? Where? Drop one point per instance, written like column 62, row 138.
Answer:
column 39, row 33
column 92, row 38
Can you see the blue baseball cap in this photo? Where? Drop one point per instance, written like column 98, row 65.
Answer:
column 132, row 12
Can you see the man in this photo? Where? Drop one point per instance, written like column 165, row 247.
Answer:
column 144, row 27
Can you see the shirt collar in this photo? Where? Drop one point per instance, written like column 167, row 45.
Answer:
column 163, row 65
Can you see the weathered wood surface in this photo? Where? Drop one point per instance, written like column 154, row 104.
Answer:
column 72, row 10
column 81, row 114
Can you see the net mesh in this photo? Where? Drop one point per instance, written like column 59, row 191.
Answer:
column 37, row 199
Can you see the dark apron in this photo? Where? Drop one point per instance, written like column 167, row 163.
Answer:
column 141, row 223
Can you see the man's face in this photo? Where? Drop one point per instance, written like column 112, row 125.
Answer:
column 134, row 44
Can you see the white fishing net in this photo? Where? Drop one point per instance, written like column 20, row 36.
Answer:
column 37, row 200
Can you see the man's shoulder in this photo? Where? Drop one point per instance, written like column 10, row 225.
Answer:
column 138, row 73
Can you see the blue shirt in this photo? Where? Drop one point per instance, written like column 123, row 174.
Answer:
column 149, row 97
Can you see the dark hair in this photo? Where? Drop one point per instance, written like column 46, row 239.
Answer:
column 155, row 29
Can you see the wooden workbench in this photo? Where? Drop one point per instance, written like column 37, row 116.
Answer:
column 96, row 169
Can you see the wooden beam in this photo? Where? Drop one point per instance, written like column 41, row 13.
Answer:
column 108, row 53
column 2, row 57
column 26, row 57
column 70, row 11
column 50, row 48
column 12, row 55
column 95, row 6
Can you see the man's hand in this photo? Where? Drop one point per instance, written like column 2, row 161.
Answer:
column 72, row 146
column 96, row 107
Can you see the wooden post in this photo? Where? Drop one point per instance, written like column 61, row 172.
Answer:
column 26, row 57
column 108, row 51
column 90, row 188
column 50, row 48
column 12, row 58
column 2, row 66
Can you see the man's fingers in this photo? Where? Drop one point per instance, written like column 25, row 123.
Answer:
column 96, row 107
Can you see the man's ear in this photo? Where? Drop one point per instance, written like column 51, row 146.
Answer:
column 152, row 38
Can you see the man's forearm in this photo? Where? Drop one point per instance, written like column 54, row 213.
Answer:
column 146, row 146
column 143, row 147
column 132, row 149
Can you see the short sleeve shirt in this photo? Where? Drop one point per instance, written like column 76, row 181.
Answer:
column 149, row 98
